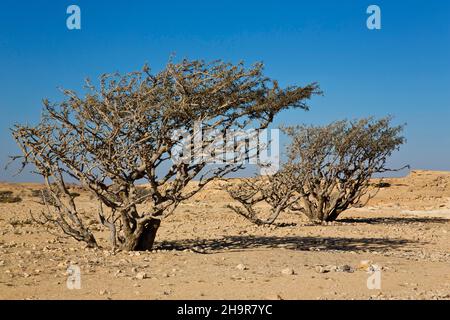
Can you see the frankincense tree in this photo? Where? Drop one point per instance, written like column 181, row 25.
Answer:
column 124, row 132
column 328, row 170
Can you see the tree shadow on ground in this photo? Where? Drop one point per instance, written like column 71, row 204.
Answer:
column 394, row 220
column 239, row 243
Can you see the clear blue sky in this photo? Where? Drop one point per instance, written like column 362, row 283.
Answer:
column 402, row 69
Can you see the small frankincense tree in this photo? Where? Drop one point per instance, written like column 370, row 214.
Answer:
column 124, row 132
column 328, row 170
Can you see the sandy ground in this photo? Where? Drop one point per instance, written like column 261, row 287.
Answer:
column 205, row 251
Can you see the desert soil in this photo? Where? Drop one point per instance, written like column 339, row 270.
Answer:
column 205, row 251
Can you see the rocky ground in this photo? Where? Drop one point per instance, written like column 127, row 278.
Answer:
column 205, row 251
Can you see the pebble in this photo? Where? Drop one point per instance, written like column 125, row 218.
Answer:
column 288, row 271
column 141, row 276
column 364, row 265
column 325, row 269
column 241, row 267
column 345, row 268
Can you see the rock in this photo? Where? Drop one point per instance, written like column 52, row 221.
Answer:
column 103, row 292
column 325, row 269
column 320, row 269
column 288, row 271
column 364, row 265
column 2, row 263
column 141, row 275
column 241, row 267
column 345, row 268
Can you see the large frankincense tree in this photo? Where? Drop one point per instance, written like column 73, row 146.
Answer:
column 124, row 131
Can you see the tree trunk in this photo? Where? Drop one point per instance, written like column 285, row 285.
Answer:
column 91, row 242
column 147, row 237
column 333, row 216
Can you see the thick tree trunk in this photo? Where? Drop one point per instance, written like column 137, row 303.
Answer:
column 332, row 216
column 147, row 237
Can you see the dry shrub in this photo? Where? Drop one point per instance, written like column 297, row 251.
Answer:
column 7, row 196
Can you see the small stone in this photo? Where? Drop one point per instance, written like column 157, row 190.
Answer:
column 345, row 268
column 141, row 276
column 364, row 265
column 241, row 267
column 325, row 269
column 2, row 263
column 320, row 269
column 104, row 292
column 288, row 271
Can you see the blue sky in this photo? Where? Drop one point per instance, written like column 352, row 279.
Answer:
column 402, row 69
